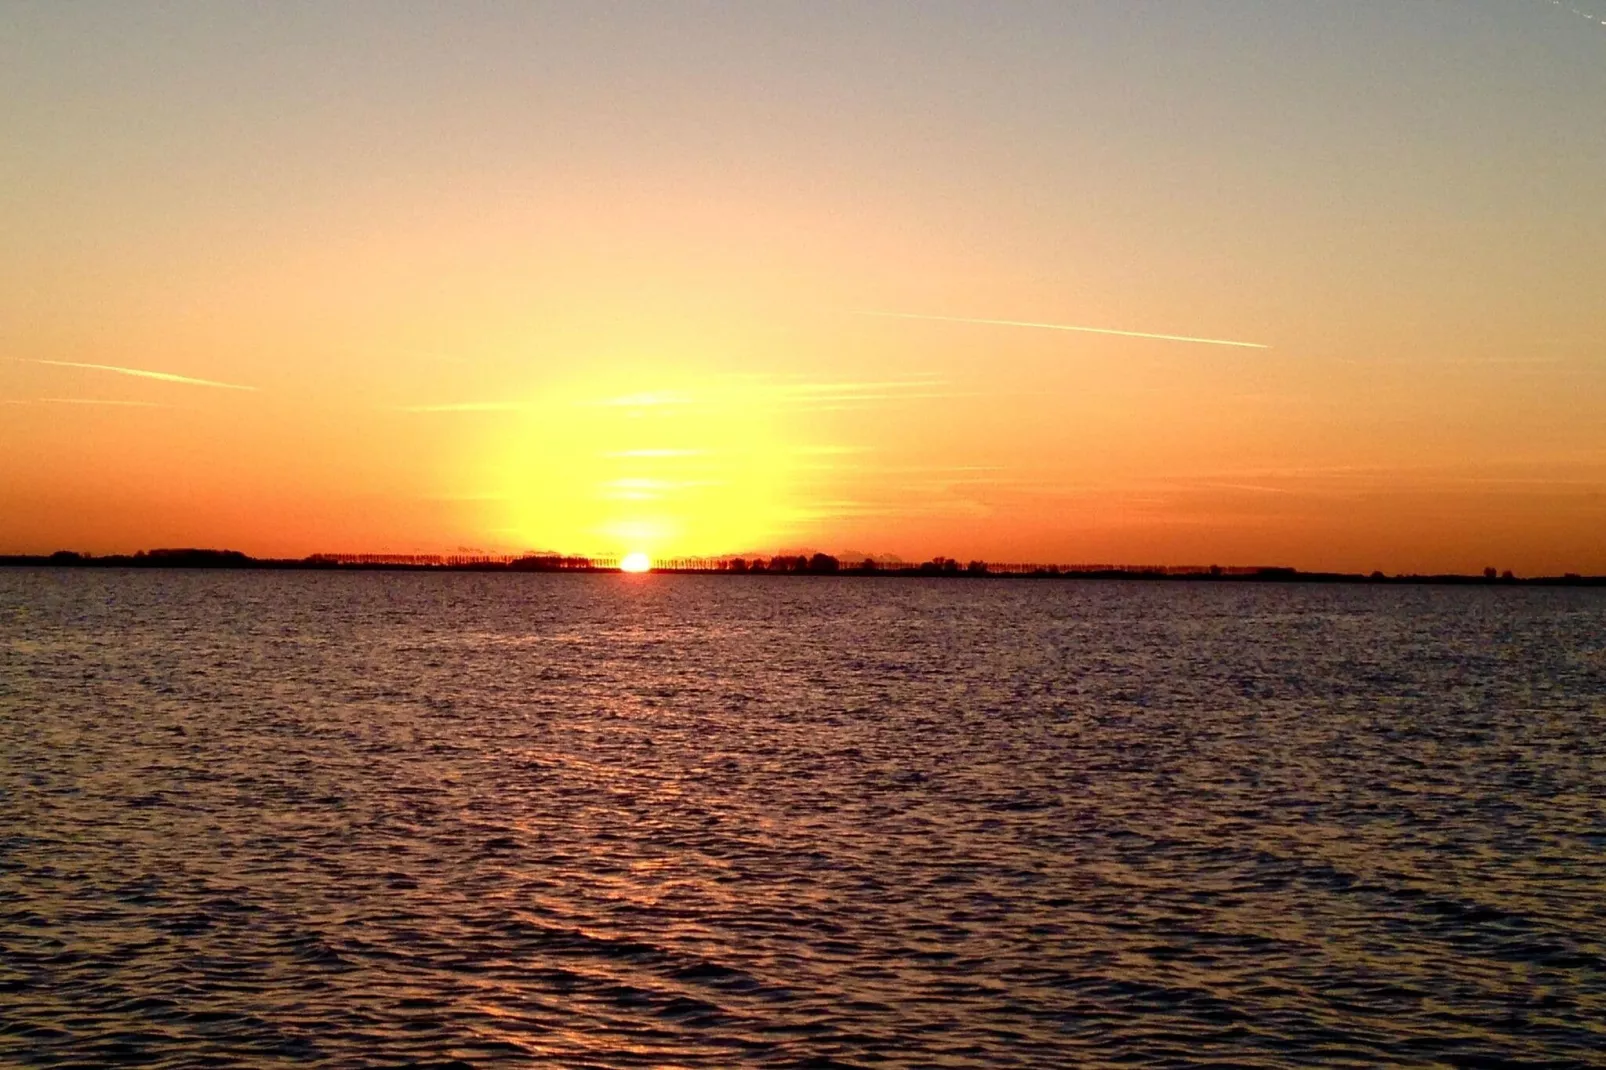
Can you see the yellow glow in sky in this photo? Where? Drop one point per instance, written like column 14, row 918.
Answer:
column 671, row 468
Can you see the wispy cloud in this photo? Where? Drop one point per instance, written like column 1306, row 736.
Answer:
column 1067, row 327
column 1252, row 488
column 103, row 401
column 1590, row 15
column 644, row 400
column 829, row 450
column 1415, row 364
column 877, row 386
column 763, row 390
column 142, row 373
column 638, row 489
column 845, row 395
column 848, row 401
column 463, row 406
column 83, row 401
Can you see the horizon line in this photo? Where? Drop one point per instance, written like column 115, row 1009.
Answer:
column 796, row 564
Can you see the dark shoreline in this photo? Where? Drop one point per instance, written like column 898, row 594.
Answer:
column 941, row 568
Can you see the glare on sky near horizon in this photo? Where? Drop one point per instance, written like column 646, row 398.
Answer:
column 1236, row 281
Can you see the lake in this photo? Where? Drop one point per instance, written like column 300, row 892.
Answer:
column 675, row 821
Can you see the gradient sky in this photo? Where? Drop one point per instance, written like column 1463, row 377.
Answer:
column 594, row 277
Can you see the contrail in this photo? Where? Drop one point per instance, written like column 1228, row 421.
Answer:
column 1068, row 327
column 166, row 377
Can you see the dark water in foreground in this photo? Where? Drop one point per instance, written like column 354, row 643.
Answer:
column 387, row 819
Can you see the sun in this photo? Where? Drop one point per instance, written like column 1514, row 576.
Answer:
column 665, row 466
column 635, row 562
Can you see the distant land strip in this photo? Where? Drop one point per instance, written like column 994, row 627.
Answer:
column 760, row 565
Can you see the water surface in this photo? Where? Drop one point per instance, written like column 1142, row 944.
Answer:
column 389, row 819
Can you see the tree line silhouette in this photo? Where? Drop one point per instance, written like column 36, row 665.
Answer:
column 810, row 564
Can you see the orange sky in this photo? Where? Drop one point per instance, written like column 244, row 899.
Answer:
column 593, row 278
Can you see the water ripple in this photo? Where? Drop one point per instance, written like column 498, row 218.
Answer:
column 458, row 820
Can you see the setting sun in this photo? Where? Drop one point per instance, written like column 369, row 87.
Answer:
column 636, row 562
column 698, row 466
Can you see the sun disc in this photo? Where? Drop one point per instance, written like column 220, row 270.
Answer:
column 635, row 562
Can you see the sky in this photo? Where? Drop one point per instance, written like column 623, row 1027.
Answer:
column 708, row 278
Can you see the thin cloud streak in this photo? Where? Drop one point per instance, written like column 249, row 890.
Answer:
column 643, row 400
column 463, row 406
column 1067, row 327
column 141, row 373
column 1589, row 15
column 83, row 401
column 103, row 401
column 812, row 404
column 1253, row 488
column 922, row 383
column 653, row 453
